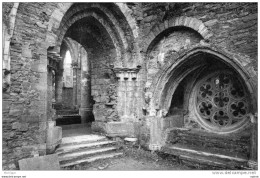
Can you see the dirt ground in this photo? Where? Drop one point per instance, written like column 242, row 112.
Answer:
column 134, row 159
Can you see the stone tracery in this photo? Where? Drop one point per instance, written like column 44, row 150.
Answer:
column 219, row 101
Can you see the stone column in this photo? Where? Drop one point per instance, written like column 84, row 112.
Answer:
column 54, row 133
column 49, row 93
column 252, row 163
column 86, row 105
column 121, row 94
column 58, row 86
column 75, row 100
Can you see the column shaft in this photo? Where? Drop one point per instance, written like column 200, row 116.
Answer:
column 75, row 87
column 86, row 105
column 58, row 88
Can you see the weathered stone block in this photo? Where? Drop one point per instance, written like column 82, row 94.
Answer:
column 54, row 137
column 148, row 18
column 24, row 127
column 49, row 162
column 98, row 126
column 173, row 121
column 38, row 67
column 120, row 129
column 42, row 126
column 99, row 114
column 15, row 112
column 20, row 126
column 26, row 51
column 6, row 105
column 30, row 118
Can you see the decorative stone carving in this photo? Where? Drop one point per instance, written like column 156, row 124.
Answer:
column 221, row 101
column 128, row 78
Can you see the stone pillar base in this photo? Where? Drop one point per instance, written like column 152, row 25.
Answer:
column 86, row 115
column 54, row 137
column 253, row 164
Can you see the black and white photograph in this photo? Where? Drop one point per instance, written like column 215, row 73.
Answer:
column 130, row 86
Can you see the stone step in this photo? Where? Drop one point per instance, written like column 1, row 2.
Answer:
column 205, row 161
column 204, row 157
column 76, row 126
column 81, row 139
column 85, row 153
column 92, row 159
column 73, row 148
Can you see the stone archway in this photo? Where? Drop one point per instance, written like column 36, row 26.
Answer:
column 103, row 32
column 192, row 71
column 161, row 88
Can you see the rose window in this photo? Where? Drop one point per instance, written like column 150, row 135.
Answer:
column 221, row 101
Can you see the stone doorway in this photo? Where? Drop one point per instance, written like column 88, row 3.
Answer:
column 95, row 48
column 73, row 102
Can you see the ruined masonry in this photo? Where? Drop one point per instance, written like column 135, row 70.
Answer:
column 179, row 77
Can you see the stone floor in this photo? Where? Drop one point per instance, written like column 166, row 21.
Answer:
column 75, row 130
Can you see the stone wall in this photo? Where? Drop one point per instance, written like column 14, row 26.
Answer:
column 104, row 86
column 25, row 116
column 166, row 49
column 233, row 25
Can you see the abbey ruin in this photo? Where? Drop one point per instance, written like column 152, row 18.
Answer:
column 181, row 78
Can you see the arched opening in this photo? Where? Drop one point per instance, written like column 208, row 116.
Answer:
column 207, row 93
column 95, row 38
column 67, row 93
column 207, row 108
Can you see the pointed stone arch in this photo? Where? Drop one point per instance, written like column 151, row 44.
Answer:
column 59, row 20
column 184, row 21
column 161, row 95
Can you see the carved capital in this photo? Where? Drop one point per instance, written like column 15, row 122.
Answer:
column 124, row 73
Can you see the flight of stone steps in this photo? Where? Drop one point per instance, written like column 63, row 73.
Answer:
column 86, row 148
